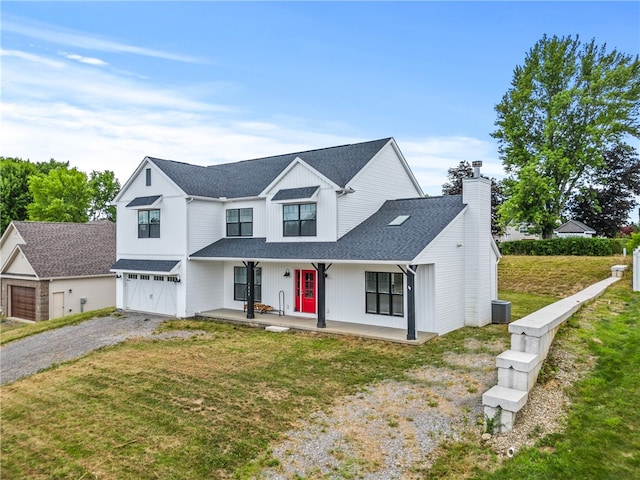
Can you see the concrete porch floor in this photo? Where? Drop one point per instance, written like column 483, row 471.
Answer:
column 397, row 335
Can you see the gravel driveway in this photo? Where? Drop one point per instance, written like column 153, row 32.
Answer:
column 25, row 357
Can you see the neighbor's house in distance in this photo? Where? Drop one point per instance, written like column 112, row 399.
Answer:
column 50, row 270
column 574, row 228
column 340, row 234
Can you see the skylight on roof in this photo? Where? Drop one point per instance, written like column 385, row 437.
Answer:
column 399, row 220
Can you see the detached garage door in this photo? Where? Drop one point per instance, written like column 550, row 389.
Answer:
column 23, row 302
column 150, row 293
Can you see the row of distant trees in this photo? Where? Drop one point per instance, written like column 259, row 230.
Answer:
column 51, row 191
column 563, row 131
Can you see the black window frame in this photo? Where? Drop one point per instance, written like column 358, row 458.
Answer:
column 236, row 227
column 293, row 223
column 384, row 293
column 147, row 228
column 148, row 177
column 240, row 284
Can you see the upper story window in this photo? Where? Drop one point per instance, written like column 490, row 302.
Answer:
column 148, row 177
column 384, row 293
column 148, row 223
column 240, row 222
column 299, row 220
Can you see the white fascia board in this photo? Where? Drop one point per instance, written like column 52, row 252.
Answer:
column 300, row 260
column 6, row 234
column 405, row 164
column 288, row 168
column 80, row 277
column 403, row 161
column 135, row 174
column 11, row 257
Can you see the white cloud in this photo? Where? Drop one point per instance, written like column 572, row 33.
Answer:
column 80, row 40
column 98, row 119
column 30, row 57
column 430, row 158
column 86, row 60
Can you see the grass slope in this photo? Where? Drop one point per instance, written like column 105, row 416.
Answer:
column 209, row 406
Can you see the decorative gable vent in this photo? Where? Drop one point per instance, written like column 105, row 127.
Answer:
column 399, row 220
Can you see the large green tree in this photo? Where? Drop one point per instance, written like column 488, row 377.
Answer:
column 55, row 192
column 606, row 202
column 14, row 190
column 62, row 195
column 567, row 106
column 453, row 186
column 104, row 187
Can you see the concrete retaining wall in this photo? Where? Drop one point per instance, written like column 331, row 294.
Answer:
column 531, row 338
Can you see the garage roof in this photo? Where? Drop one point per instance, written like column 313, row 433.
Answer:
column 56, row 249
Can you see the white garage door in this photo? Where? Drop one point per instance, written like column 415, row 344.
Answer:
column 150, row 293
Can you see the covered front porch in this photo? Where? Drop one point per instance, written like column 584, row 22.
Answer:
column 396, row 335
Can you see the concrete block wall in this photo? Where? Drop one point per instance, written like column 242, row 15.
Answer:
column 531, row 339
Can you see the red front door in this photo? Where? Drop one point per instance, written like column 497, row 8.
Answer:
column 306, row 291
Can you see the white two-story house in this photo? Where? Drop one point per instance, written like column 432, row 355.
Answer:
column 342, row 234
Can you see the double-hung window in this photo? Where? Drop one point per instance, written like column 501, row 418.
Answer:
column 384, row 293
column 299, row 220
column 148, row 223
column 240, row 283
column 240, row 222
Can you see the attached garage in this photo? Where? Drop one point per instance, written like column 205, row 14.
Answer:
column 150, row 293
column 148, row 285
column 23, row 302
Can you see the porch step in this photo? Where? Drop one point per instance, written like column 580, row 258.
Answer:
column 275, row 328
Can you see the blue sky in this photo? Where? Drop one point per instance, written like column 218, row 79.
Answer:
column 102, row 84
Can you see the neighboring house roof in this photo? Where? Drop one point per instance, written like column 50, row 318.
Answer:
column 250, row 177
column 574, row 226
column 374, row 239
column 68, row 249
column 160, row 266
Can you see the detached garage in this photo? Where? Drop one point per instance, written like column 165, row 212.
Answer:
column 50, row 269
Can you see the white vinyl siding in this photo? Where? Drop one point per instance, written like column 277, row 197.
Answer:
column 205, row 223
column 383, row 178
column 205, row 282
column 19, row 265
column 301, row 176
column 446, row 260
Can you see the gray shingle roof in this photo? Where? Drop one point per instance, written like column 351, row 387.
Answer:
column 250, row 177
column 295, row 193
column 574, row 226
column 143, row 201
column 68, row 249
column 372, row 240
column 160, row 266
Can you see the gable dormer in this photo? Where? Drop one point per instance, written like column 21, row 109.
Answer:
column 301, row 205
